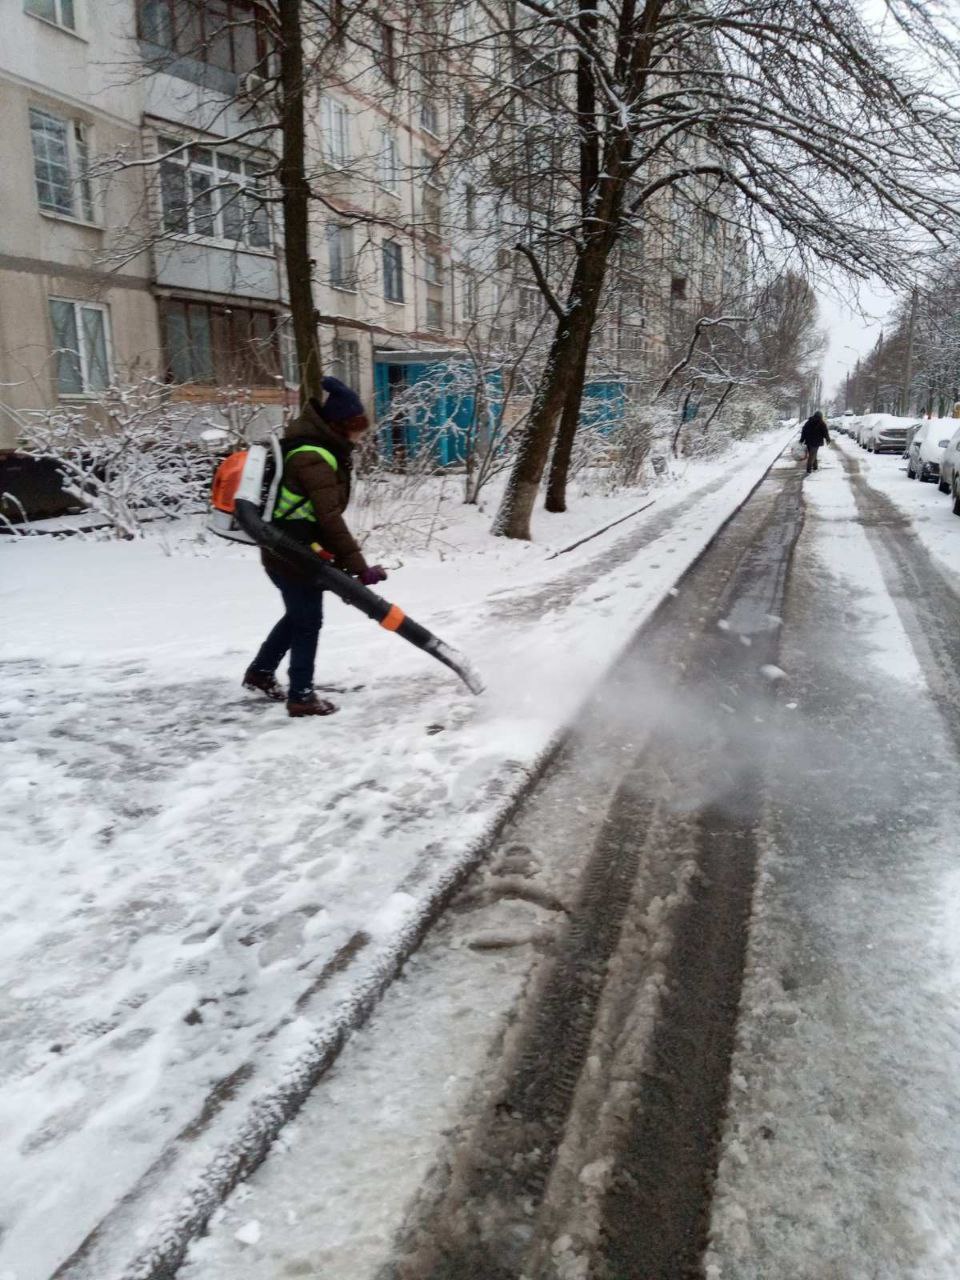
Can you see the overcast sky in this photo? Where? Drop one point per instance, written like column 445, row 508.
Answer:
column 849, row 327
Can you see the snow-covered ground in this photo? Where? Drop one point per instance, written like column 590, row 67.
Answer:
column 842, row 1156
column 197, row 892
column 842, row 1149
column 930, row 512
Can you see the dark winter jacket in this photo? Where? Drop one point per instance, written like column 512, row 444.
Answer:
column 814, row 432
column 328, row 489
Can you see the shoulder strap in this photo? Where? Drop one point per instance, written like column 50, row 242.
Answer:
column 325, row 454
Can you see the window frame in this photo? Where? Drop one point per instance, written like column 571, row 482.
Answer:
column 470, row 296
column 199, row 50
column 392, row 270
column 79, row 305
column 437, row 305
column 388, row 163
column 342, row 233
column 246, row 178
column 335, row 126
column 58, row 7
column 433, row 271
column 429, row 114
column 345, row 356
column 388, row 51
column 530, row 304
column 214, row 313
column 77, row 135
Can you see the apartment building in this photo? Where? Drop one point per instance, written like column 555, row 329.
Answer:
column 134, row 243
column 71, row 320
column 403, row 260
column 140, row 237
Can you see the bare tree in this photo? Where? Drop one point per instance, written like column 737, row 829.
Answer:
column 805, row 119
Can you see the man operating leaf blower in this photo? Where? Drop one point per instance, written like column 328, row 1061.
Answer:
column 313, row 495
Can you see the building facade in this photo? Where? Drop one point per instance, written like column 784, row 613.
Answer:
column 141, row 238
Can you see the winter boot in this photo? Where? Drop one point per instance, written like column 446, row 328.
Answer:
column 308, row 704
column 264, row 682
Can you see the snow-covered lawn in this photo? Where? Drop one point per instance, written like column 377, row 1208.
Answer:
column 197, row 890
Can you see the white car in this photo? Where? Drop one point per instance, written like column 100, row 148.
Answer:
column 864, row 427
column 885, row 437
column 926, row 450
column 950, row 463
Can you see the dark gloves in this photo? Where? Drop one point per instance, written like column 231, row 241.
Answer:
column 373, row 574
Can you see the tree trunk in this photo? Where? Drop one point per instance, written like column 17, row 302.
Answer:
column 296, row 195
column 571, row 340
column 556, row 500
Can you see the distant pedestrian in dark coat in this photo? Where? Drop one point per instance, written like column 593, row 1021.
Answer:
column 814, row 435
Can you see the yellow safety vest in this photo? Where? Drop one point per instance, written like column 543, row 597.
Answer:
column 296, row 506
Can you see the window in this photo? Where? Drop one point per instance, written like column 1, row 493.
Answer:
column 207, row 192
column 469, row 208
column 80, row 346
column 462, row 21
column 631, row 337
column 345, row 364
column 469, row 118
column 60, row 12
column 632, row 303
column 529, row 303
column 434, row 268
column 392, row 271
column 470, row 297
column 229, row 34
column 432, row 212
column 61, row 165
column 343, row 273
column 678, row 288
column 431, row 171
column 388, row 167
column 335, row 123
column 388, row 52
column 218, row 345
column 430, row 116
column 435, row 315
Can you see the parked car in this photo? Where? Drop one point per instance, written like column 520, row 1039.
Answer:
column 950, row 463
column 864, row 427
column 912, row 430
column 885, row 438
column 926, row 450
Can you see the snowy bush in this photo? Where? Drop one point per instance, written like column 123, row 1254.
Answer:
column 239, row 422
column 126, row 457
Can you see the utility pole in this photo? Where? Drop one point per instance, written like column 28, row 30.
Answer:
column 908, row 360
column 876, row 374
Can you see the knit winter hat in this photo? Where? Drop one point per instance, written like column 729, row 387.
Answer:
column 341, row 403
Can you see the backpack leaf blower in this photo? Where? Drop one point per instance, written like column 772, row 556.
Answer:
column 244, row 495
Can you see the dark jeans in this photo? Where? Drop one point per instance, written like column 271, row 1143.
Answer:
column 297, row 632
column 812, row 451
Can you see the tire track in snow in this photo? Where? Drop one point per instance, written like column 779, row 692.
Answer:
column 596, row 1149
column 926, row 602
